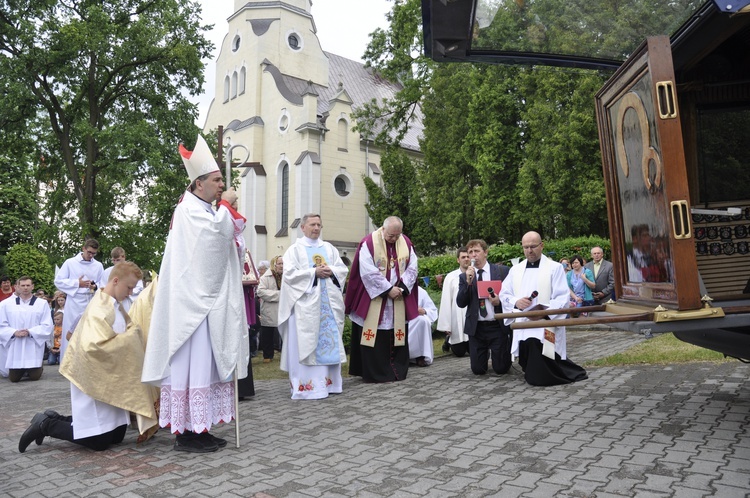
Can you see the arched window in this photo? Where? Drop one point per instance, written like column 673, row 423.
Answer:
column 243, row 77
column 234, row 84
column 226, row 89
column 343, row 135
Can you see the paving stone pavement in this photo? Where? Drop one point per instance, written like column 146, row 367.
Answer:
column 674, row 430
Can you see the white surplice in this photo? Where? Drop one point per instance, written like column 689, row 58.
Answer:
column 552, row 288
column 451, row 318
column 17, row 314
column 420, row 329
column 300, row 320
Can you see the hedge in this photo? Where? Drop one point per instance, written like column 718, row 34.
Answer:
column 431, row 266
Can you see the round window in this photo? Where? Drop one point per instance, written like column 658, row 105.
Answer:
column 342, row 184
column 284, row 122
column 294, row 41
column 236, row 43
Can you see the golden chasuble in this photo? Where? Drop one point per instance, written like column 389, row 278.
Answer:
column 107, row 366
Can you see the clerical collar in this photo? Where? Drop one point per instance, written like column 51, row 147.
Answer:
column 311, row 242
column 535, row 264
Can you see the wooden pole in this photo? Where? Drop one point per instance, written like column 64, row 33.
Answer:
column 547, row 312
column 591, row 320
column 236, row 410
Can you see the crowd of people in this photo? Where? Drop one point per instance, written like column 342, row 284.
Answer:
column 180, row 360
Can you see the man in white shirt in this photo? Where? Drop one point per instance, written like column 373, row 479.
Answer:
column 198, row 334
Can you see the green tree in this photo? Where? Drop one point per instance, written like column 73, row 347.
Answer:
column 449, row 177
column 27, row 260
column 400, row 196
column 18, row 210
column 508, row 149
column 99, row 88
column 562, row 187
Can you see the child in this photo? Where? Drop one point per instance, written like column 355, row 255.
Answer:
column 54, row 350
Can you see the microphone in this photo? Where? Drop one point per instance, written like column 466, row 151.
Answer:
column 473, row 263
column 491, row 292
column 533, row 295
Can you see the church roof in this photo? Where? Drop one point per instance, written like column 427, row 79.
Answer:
column 361, row 84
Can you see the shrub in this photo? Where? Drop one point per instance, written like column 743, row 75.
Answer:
column 25, row 259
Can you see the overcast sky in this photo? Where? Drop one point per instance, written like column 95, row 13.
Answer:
column 343, row 29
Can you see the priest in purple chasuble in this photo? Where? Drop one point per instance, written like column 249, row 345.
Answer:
column 381, row 298
column 198, row 334
column 311, row 314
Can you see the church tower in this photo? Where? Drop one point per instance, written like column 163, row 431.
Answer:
column 290, row 103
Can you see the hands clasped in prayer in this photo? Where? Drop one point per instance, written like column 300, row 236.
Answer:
column 323, row 271
column 395, row 293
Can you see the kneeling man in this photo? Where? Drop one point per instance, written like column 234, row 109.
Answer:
column 25, row 327
column 421, row 350
column 539, row 281
column 103, row 364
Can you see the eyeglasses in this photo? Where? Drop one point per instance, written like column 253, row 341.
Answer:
column 531, row 248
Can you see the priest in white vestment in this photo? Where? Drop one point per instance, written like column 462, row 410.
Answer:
column 421, row 348
column 198, row 334
column 25, row 327
column 311, row 314
column 103, row 365
column 539, row 281
column 78, row 279
column 451, row 318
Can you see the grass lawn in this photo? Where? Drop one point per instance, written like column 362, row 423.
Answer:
column 660, row 350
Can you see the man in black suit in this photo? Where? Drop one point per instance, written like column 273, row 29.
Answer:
column 485, row 333
column 604, row 277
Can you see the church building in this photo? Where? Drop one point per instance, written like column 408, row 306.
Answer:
column 285, row 99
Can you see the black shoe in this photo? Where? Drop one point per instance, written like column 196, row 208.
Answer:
column 33, row 433
column 194, row 443
column 52, row 414
column 221, row 443
column 446, row 347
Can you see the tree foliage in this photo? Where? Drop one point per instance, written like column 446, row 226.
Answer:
column 98, row 90
column 18, row 210
column 508, row 149
column 400, row 196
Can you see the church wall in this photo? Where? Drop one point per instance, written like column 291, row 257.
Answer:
column 344, row 158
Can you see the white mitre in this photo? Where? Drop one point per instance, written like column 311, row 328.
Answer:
column 200, row 161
